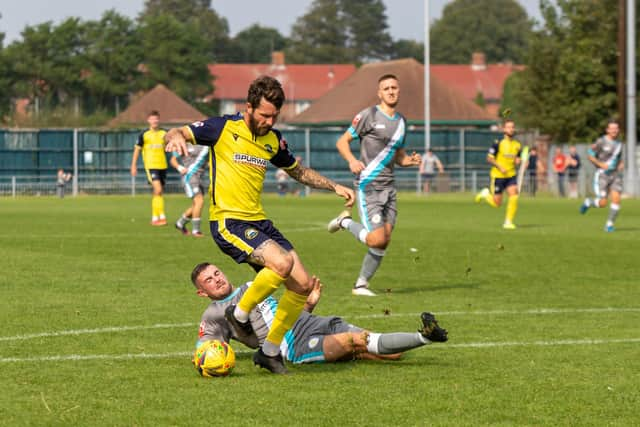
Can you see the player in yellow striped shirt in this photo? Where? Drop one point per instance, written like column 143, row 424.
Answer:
column 504, row 156
column 151, row 145
column 241, row 147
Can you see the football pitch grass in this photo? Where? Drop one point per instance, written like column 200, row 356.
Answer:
column 99, row 318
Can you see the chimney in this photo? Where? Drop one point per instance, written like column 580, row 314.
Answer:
column 478, row 61
column 277, row 59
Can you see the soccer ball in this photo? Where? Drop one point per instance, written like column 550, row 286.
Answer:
column 214, row 358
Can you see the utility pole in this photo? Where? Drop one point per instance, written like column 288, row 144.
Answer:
column 622, row 63
column 631, row 165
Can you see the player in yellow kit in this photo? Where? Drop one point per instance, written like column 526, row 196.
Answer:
column 151, row 144
column 241, row 147
column 504, row 156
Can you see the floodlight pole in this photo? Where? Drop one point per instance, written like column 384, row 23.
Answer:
column 427, row 79
column 632, row 164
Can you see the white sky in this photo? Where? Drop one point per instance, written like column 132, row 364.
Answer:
column 405, row 17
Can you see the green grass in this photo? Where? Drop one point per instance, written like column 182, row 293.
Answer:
column 94, row 262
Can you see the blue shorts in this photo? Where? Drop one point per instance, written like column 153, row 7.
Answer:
column 498, row 185
column 157, row 175
column 238, row 238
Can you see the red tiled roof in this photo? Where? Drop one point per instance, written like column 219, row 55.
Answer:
column 300, row 81
column 469, row 82
column 359, row 91
column 172, row 108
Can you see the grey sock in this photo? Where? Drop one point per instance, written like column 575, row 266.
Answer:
column 355, row 228
column 613, row 213
column 182, row 221
column 195, row 225
column 370, row 263
column 399, row 342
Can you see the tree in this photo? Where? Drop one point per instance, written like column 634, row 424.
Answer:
column 48, row 62
column 254, row 45
column 172, row 55
column 202, row 20
column 6, row 81
column 320, row 36
column 408, row 49
column 368, row 32
column 113, row 56
column 568, row 89
column 341, row 31
column 499, row 28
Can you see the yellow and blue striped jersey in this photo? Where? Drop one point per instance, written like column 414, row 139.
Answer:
column 238, row 165
column 505, row 152
column 152, row 144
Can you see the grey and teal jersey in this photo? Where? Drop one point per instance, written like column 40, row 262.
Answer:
column 213, row 325
column 607, row 151
column 380, row 138
column 196, row 160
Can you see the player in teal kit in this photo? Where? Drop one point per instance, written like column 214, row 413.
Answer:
column 606, row 155
column 381, row 132
column 312, row 338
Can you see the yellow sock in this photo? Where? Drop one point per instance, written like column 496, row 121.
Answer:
column 512, row 208
column 265, row 283
column 289, row 308
column 161, row 206
column 155, row 212
column 490, row 201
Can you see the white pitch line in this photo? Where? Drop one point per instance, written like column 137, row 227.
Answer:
column 537, row 311
column 534, row 311
column 480, row 345
column 96, row 331
column 540, row 343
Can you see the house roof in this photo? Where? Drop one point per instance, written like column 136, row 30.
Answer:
column 300, row 81
column 359, row 90
column 172, row 108
column 469, row 80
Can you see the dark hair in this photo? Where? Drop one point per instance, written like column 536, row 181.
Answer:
column 612, row 121
column 268, row 88
column 505, row 121
column 197, row 270
column 154, row 113
column 387, row 77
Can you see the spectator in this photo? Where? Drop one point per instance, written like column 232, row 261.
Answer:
column 428, row 169
column 532, row 171
column 62, row 180
column 282, row 179
column 559, row 166
column 573, row 168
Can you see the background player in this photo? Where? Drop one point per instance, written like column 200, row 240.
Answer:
column 242, row 145
column 151, row 144
column 194, row 164
column 312, row 338
column 381, row 131
column 504, row 156
column 606, row 155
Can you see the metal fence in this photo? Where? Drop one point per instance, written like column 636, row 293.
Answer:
column 100, row 160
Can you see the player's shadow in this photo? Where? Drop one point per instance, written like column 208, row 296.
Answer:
column 429, row 288
column 532, row 226
column 627, row 229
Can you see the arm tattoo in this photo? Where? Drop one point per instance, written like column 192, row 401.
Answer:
column 311, row 178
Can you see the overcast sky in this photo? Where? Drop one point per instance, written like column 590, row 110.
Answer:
column 405, row 17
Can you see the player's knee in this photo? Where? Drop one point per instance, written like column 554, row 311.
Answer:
column 378, row 240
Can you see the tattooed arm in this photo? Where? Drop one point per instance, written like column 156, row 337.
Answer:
column 312, row 178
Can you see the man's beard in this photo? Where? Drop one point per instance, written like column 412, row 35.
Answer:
column 253, row 127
